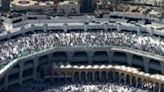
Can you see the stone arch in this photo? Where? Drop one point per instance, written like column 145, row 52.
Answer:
column 145, row 84
column 120, row 58
column 83, row 77
column 139, row 80
column 103, row 76
column 60, row 57
column 117, row 76
column 80, row 57
column 150, row 85
column 97, row 76
column 76, row 76
column 133, row 81
column 162, row 87
column 100, row 57
column 89, row 77
column 110, row 75
column 128, row 79
column 156, row 87
column 122, row 75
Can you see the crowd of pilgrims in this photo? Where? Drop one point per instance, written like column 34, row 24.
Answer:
column 27, row 44
column 42, row 85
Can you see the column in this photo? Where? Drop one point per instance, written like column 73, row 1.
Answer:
column 125, row 79
column 35, row 62
column 159, row 90
column 146, row 64
column 21, row 65
column 107, row 77
column 79, row 77
column 106, row 26
column 69, row 56
column 151, row 31
column 118, row 27
column 85, row 26
column 85, row 76
column 90, row 57
column 120, row 77
column 100, row 77
column 65, row 28
column 138, row 29
column 6, row 81
column 142, row 83
column 93, row 75
column 114, row 76
column 129, row 59
column 136, row 81
column 110, row 57
column 45, row 26
column 162, row 67
column 130, row 80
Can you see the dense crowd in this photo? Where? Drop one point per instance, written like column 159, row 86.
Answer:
column 27, row 44
column 46, row 86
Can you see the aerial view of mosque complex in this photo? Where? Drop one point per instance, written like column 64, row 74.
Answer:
column 81, row 45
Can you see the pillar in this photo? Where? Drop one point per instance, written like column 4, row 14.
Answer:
column 72, row 76
column 90, row 57
column 142, row 84
column 129, row 59
column 118, row 27
column 110, row 57
column 93, row 76
column 136, row 82
column 119, row 77
column 130, row 80
column 125, row 79
column 85, row 26
column 65, row 28
column 45, row 26
column 162, row 67
column 106, row 26
column 100, row 76
column 146, row 64
column 35, row 62
column 69, row 56
column 152, row 31
column 107, row 77
column 138, row 29
column 6, row 81
column 159, row 87
column 21, row 65
column 114, row 76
